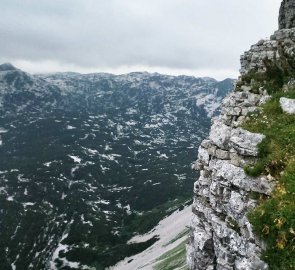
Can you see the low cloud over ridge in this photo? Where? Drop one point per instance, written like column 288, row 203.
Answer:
column 173, row 36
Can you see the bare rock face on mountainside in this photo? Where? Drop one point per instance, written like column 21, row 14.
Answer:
column 222, row 236
column 287, row 14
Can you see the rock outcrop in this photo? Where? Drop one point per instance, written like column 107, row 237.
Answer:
column 222, row 237
column 287, row 14
column 287, row 105
column 280, row 44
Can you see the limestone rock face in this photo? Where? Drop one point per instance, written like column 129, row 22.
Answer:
column 222, row 237
column 287, row 105
column 281, row 42
column 287, row 14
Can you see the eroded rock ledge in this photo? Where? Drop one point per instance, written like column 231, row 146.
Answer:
column 222, row 237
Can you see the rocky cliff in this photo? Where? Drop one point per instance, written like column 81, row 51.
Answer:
column 287, row 14
column 222, row 236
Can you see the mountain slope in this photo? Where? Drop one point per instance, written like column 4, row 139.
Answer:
column 89, row 160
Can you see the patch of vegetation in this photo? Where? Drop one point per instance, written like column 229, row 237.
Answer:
column 173, row 259
column 263, row 152
column 277, row 73
column 274, row 219
column 256, row 196
column 233, row 224
column 180, row 235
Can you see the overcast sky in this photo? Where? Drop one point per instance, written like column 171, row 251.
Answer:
column 193, row 37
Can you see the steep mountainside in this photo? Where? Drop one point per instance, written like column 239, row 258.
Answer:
column 89, row 160
column 244, row 198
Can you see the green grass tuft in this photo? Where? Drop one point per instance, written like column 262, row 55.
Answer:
column 274, row 219
column 173, row 259
column 180, row 235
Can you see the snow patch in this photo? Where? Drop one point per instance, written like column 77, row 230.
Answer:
column 75, row 158
column 167, row 230
column 10, row 198
column 3, row 130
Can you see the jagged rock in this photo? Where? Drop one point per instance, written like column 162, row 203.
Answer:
column 254, row 59
column 287, row 14
column 212, row 150
column 203, row 156
column 253, row 263
column 206, row 144
column 236, row 203
column 222, row 193
column 287, row 105
column 235, row 159
column 253, row 99
column 233, row 175
column 233, row 111
column 245, row 142
column 222, row 154
column 220, row 133
column 205, row 257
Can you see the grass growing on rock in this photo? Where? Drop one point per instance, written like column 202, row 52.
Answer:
column 274, row 218
column 278, row 71
column 173, row 259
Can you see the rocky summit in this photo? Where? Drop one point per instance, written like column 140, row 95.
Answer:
column 222, row 236
column 287, row 14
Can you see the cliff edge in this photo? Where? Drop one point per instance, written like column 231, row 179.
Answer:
column 239, row 169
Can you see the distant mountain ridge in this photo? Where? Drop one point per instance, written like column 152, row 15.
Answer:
column 87, row 160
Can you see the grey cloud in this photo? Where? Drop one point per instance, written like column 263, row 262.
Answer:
column 180, row 34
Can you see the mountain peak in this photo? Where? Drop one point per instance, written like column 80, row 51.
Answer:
column 7, row 67
column 287, row 14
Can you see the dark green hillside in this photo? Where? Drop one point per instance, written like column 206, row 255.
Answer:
column 86, row 161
